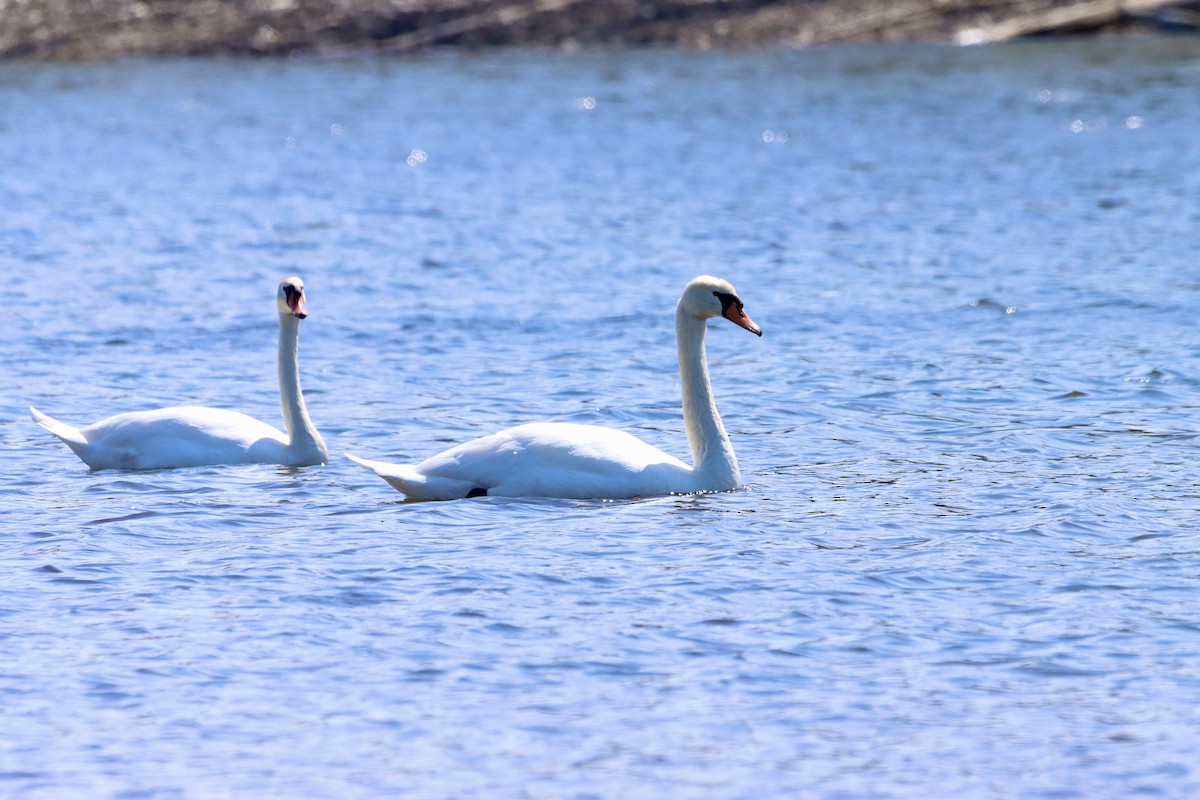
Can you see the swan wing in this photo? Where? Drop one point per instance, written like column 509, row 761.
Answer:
column 552, row 459
column 180, row 436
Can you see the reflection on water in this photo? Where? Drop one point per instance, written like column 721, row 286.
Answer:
column 964, row 557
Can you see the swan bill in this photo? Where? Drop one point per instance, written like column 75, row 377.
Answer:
column 295, row 300
column 732, row 309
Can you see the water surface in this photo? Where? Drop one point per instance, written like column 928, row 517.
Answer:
column 964, row 565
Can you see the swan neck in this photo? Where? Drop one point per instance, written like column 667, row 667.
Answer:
column 712, row 452
column 302, row 434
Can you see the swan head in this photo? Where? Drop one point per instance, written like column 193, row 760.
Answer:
column 707, row 297
column 290, row 298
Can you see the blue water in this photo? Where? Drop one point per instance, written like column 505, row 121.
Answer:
column 966, row 561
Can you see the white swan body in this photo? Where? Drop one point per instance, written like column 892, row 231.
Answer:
column 542, row 459
column 193, row 436
column 558, row 459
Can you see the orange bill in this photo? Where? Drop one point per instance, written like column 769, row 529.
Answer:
column 296, row 303
column 737, row 316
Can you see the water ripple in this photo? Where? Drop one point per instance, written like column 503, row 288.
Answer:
column 964, row 556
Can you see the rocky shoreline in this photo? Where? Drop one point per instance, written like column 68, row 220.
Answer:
column 80, row 30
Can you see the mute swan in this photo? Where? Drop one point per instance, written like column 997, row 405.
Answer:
column 559, row 459
column 192, row 436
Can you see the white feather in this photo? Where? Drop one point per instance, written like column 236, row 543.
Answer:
column 192, row 436
column 556, row 459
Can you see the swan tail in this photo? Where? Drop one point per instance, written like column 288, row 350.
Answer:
column 72, row 436
column 418, row 486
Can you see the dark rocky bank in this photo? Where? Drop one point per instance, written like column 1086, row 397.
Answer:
column 74, row 30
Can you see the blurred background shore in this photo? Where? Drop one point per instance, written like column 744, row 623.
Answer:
column 73, row 30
